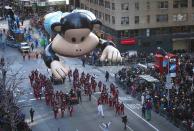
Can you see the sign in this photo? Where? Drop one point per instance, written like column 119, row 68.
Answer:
column 168, row 78
column 128, row 41
column 168, row 83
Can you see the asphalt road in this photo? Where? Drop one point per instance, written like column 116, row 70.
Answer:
column 85, row 116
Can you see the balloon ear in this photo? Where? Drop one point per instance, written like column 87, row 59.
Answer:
column 96, row 22
column 56, row 27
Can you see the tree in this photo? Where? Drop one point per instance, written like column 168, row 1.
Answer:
column 10, row 92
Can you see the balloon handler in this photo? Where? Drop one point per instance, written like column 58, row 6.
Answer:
column 72, row 36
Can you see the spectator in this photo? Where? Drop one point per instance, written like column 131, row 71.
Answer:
column 32, row 114
column 4, row 39
column 107, row 76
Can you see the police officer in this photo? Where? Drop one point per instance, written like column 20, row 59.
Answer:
column 124, row 120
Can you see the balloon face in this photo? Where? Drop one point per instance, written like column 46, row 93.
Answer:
column 78, row 47
column 76, row 36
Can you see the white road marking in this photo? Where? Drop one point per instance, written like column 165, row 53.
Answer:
column 21, row 101
column 134, row 106
column 98, row 92
column 129, row 128
column 127, row 98
column 141, row 117
column 33, row 99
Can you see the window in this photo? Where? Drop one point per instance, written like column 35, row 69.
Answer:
column 101, row 2
column 96, row 13
column 82, row 6
column 148, row 19
column 180, row 17
column 148, row 5
column 136, row 19
column 113, row 6
column 92, row 10
column 136, row 5
column 175, row 4
column 86, row 8
column 102, row 16
column 192, row 3
column 162, row 18
column 99, row 15
column 96, row 1
column 107, row 4
column 184, row 3
column 125, row 6
column 163, row 4
column 124, row 20
column 134, row 33
column 113, row 20
column 192, row 16
column 180, row 3
column 107, row 18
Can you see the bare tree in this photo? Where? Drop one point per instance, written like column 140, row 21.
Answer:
column 10, row 92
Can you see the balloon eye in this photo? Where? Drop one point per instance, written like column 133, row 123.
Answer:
column 82, row 39
column 73, row 40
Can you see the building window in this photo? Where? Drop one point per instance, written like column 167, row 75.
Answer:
column 124, row 20
column 192, row 16
column 192, row 3
column 113, row 6
column 125, row 6
column 107, row 18
column 102, row 16
column 107, row 4
column 86, row 8
column 163, row 4
column 99, row 15
column 134, row 33
column 82, row 6
column 162, row 18
column 180, row 17
column 92, row 10
column 96, row 13
column 148, row 5
column 101, row 2
column 136, row 19
column 96, row 1
column 180, row 3
column 148, row 19
column 136, row 5
column 113, row 20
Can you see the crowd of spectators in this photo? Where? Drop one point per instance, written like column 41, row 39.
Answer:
column 179, row 106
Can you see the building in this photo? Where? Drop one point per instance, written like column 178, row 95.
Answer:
column 132, row 24
column 74, row 3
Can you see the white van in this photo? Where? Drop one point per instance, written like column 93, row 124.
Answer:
column 24, row 47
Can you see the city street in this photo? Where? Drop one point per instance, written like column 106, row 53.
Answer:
column 85, row 116
column 132, row 67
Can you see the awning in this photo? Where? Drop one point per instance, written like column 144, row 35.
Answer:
column 148, row 78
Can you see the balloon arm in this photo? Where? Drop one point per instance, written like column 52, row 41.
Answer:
column 49, row 55
column 104, row 43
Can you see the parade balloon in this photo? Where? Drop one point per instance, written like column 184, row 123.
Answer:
column 73, row 37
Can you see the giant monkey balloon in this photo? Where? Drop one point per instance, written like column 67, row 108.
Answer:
column 73, row 37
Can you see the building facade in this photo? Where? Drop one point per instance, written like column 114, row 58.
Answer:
column 132, row 24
